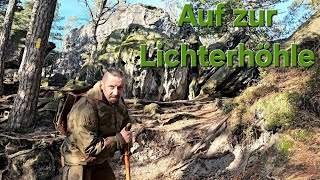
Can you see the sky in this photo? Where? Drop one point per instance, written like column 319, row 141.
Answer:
column 70, row 8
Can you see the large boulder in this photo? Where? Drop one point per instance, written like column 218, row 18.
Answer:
column 14, row 50
column 122, row 50
column 223, row 81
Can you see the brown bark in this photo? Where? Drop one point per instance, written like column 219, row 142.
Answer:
column 24, row 112
column 4, row 37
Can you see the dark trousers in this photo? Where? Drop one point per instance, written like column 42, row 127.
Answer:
column 99, row 172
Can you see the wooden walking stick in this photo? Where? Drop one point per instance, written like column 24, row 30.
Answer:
column 127, row 156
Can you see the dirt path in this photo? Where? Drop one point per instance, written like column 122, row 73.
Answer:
column 163, row 139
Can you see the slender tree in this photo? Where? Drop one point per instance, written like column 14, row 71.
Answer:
column 24, row 111
column 99, row 15
column 4, row 37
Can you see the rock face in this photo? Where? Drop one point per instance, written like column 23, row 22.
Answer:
column 119, row 46
column 77, row 41
column 223, row 81
column 154, row 83
column 14, row 51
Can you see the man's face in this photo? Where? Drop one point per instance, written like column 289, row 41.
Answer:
column 112, row 88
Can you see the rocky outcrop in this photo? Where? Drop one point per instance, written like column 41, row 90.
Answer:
column 122, row 49
column 77, row 42
column 223, row 81
column 119, row 45
column 14, row 51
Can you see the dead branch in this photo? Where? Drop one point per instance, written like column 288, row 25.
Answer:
column 89, row 9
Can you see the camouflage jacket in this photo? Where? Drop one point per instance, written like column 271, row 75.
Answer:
column 87, row 133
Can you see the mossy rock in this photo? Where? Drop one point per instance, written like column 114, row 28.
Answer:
column 74, row 85
column 51, row 106
column 151, row 109
column 44, row 82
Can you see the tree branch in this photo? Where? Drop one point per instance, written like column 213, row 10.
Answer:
column 104, row 20
column 89, row 9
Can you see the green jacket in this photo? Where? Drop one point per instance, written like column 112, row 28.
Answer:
column 86, row 138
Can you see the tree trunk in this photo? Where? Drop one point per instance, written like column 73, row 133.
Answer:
column 96, row 16
column 4, row 37
column 93, row 55
column 24, row 111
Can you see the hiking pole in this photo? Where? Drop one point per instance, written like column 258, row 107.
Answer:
column 127, row 156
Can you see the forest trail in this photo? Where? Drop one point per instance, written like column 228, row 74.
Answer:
column 164, row 133
column 181, row 140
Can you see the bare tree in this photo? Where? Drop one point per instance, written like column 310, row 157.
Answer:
column 4, row 37
column 100, row 13
column 24, row 112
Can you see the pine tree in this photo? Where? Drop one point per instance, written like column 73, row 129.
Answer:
column 24, row 111
column 4, row 37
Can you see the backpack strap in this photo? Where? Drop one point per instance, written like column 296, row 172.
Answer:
column 95, row 108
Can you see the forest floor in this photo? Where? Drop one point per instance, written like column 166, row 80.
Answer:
column 166, row 134
column 185, row 139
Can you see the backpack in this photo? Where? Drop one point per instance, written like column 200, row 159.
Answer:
column 65, row 105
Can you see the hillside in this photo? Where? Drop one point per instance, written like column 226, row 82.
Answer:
column 269, row 128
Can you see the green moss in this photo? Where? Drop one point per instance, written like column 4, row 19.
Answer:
column 300, row 134
column 72, row 85
column 44, row 82
column 151, row 109
column 284, row 146
column 233, row 125
column 57, row 95
column 277, row 110
column 251, row 94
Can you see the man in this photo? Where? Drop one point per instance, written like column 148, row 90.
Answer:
column 93, row 139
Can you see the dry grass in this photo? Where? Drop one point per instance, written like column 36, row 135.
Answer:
column 304, row 163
